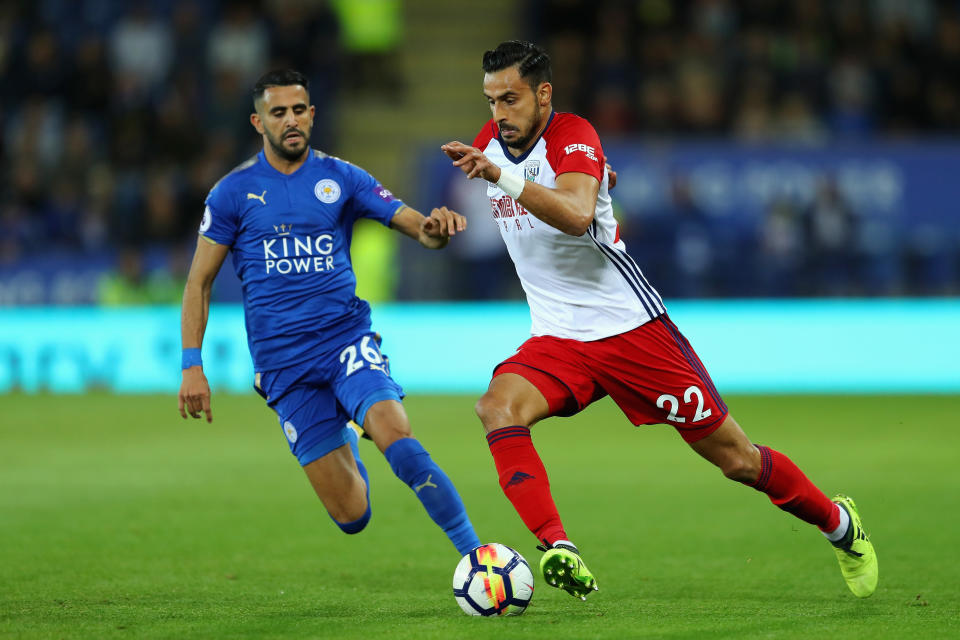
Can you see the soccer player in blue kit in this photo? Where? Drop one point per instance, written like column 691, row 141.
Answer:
column 287, row 215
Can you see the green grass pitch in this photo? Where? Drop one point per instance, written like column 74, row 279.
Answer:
column 120, row 520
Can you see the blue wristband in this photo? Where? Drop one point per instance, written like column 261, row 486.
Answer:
column 190, row 358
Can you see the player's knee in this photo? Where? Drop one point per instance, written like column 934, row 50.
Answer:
column 493, row 411
column 351, row 517
column 387, row 422
column 354, row 525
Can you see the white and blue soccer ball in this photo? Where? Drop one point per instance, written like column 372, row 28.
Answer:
column 493, row 580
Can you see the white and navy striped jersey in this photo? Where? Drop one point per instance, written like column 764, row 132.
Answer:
column 585, row 287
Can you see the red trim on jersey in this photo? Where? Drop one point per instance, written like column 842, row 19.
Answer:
column 487, row 133
column 573, row 146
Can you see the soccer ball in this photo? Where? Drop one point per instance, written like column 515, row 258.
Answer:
column 493, row 580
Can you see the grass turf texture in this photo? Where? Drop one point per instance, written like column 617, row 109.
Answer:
column 120, row 520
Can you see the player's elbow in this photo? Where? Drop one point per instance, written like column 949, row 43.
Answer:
column 198, row 286
column 577, row 225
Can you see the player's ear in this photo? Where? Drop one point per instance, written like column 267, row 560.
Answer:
column 256, row 122
column 544, row 94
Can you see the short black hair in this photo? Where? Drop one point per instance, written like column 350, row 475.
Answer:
column 279, row 78
column 532, row 61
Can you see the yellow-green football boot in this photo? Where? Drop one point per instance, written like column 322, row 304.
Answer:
column 563, row 568
column 858, row 560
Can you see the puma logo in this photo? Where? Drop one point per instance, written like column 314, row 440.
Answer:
column 253, row 196
column 425, row 484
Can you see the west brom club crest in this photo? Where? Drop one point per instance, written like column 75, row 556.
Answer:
column 531, row 169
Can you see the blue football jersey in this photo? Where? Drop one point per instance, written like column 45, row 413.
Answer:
column 290, row 240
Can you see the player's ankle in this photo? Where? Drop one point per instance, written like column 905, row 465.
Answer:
column 842, row 536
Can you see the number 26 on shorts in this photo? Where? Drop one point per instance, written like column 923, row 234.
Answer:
column 672, row 404
column 368, row 351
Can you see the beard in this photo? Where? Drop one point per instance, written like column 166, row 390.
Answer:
column 522, row 141
column 287, row 153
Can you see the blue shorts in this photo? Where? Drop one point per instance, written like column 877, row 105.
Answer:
column 315, row 399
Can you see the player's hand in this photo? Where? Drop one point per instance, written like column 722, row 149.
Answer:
column 436, row 229
column 194, row 396
column 471, row 161
column 611, row 175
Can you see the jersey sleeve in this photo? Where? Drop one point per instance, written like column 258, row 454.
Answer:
column 574, row 146
column 220, row 221
column 372, row 200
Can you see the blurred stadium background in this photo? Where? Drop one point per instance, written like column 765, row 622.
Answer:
column 766, row 150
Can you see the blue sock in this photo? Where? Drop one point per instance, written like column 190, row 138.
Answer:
column 412, row 464
column 356, row 526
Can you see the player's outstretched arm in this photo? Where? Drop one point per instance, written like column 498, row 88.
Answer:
column 431, row 231
column 194, row 396
column 569, row 206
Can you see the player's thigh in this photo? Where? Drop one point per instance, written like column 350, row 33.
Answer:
column 360, row 379
column 338, row 483
column 310, row 417
column 543, row 378
column 511, row 399
column 654, row 376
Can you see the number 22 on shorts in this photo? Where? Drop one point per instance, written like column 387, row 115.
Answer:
column 666, row 399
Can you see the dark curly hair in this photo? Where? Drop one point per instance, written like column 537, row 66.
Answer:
column 532, row 61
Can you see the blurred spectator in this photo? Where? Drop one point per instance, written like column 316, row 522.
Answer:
column 238, row 44
column 134, row 283
column 90, row 82
column 42, row 72
column 796, row 121
column 483, row 269
column 141, row 48
column 371, row 33
column 830, row 241
column 35, row 131
column 851, row 95
column 693, row 250
column 782, row 250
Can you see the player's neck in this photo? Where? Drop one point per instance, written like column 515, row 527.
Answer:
column 516, row 153
column 282, row 164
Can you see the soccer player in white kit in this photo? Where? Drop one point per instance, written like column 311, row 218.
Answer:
column 598, row 326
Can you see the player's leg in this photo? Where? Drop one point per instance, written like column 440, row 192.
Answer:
column 388, row 426
column 507, row 410
column 774, row 474
column 372, row 399
column 316, row 430
column 768, row 471
column 654, row 375
column 520, row 395
column 668, row 383
column 342, row 488
column 326, row 448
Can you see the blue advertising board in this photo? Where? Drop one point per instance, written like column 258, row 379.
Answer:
column 911, row 182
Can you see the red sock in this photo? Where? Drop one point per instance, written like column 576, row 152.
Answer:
column 524, row 481
column 792, row 491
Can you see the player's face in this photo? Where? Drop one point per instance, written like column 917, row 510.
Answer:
column 285, row 120
column 518, row 110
